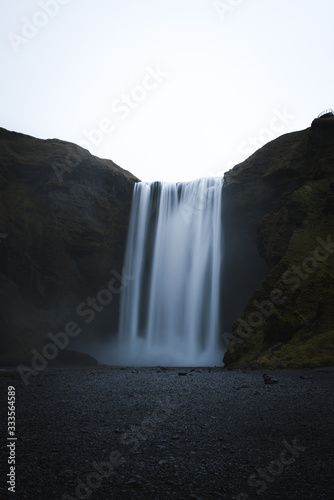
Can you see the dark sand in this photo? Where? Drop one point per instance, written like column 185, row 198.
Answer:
column 171, row 433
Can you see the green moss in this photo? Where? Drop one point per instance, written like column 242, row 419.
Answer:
column 298, row 333
column 301, row 352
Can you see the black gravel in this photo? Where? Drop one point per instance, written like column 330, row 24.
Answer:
column 171, row 433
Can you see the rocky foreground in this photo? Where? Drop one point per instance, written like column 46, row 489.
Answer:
column 157, row 433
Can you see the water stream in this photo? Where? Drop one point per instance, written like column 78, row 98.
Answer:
column 170, row 309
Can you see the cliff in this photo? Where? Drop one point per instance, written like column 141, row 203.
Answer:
column 63, row 224
column 278, row 219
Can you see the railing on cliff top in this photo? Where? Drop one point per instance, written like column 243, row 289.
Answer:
column 326, row 112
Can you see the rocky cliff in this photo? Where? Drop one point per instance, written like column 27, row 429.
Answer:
column 63, row 224
column 278, row 214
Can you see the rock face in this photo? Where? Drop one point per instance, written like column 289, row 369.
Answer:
column 63, row 225
column 279, row 252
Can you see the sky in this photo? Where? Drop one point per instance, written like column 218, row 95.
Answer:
column 170, row 90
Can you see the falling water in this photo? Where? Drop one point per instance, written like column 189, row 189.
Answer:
column 170, row 309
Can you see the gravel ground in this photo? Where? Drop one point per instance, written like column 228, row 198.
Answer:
column 157, row 433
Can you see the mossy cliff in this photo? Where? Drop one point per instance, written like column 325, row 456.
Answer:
column 63, row 224
column 279, row 252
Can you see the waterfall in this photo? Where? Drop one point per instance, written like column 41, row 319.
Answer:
column 169, row 312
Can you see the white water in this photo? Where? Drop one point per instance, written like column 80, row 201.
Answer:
column 170, row 309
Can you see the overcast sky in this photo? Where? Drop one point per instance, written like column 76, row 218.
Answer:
column 170, row 90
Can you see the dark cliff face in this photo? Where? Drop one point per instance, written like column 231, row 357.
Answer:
column 279, row 270
column 63, row 220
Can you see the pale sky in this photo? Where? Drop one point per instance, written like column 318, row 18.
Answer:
column 170, row 90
